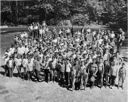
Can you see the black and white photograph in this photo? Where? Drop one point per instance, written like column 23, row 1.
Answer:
column 63, row 51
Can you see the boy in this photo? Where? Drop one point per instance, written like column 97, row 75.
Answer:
column 122, row 76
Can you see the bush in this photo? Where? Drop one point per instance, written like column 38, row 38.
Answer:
column 80, row 19
column 65, row 23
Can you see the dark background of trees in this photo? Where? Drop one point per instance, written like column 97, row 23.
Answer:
column 79, row 12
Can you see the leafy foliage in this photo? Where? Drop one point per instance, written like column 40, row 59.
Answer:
column 80, row 12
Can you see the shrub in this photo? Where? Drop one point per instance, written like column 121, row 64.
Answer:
column 65, row 23
column 80, row 19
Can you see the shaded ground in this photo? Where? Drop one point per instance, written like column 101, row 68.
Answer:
column 17, row 90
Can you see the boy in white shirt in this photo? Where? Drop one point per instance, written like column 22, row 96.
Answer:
column 24, row 64
column 68, row 70
column 30, row 68
column 6, row 58
column 10, row 66
column 26, row 50
column 18, row 62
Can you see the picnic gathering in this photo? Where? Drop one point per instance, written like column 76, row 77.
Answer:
column 73, row 59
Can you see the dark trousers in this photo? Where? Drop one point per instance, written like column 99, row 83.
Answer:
column 112, row 80
column 6, row 70
column 29, row 75
column 68, row 78
column 26, row 74
column 47, row 75
column 19, row 70
column 10, row 70
column 37, row 74
column 52, row 75
column 62, row 78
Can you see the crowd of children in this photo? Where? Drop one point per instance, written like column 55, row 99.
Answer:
column 58, row 52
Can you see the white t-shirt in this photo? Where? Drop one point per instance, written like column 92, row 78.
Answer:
column 41, row 31
column 100, row 41
column 54, row 63
column 12, row 50
column 30, row 66
column 105, row 57
column 25, row 62
column 31, row 27
column 21, row 50
column 36, row 27
column 68, row 31
column 68, row 67
column 9, row 53
column 26, row 50
column 112, row 35
column 10, row 63
column 18, row 62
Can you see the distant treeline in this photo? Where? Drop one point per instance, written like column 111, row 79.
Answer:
column 54, row 12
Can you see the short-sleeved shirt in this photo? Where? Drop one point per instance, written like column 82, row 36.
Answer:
column 114, row 70
column 68, row 67
column 18, row 62
column 25, row 62
column 10, row 63
column 30, row 66
column 37, row 65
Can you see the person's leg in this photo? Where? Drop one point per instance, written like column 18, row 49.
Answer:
column 81, row 81
column 13, row 70
column 53, row 75
column 122, row 81
column 19, row 71
column 6, row 70
column 119, row 79
column 114, row 77
column 37, row 75
column 9, row 71
column 68, row 79
column 28, row 75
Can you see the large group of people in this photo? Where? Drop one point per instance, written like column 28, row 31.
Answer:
column 74, row 59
